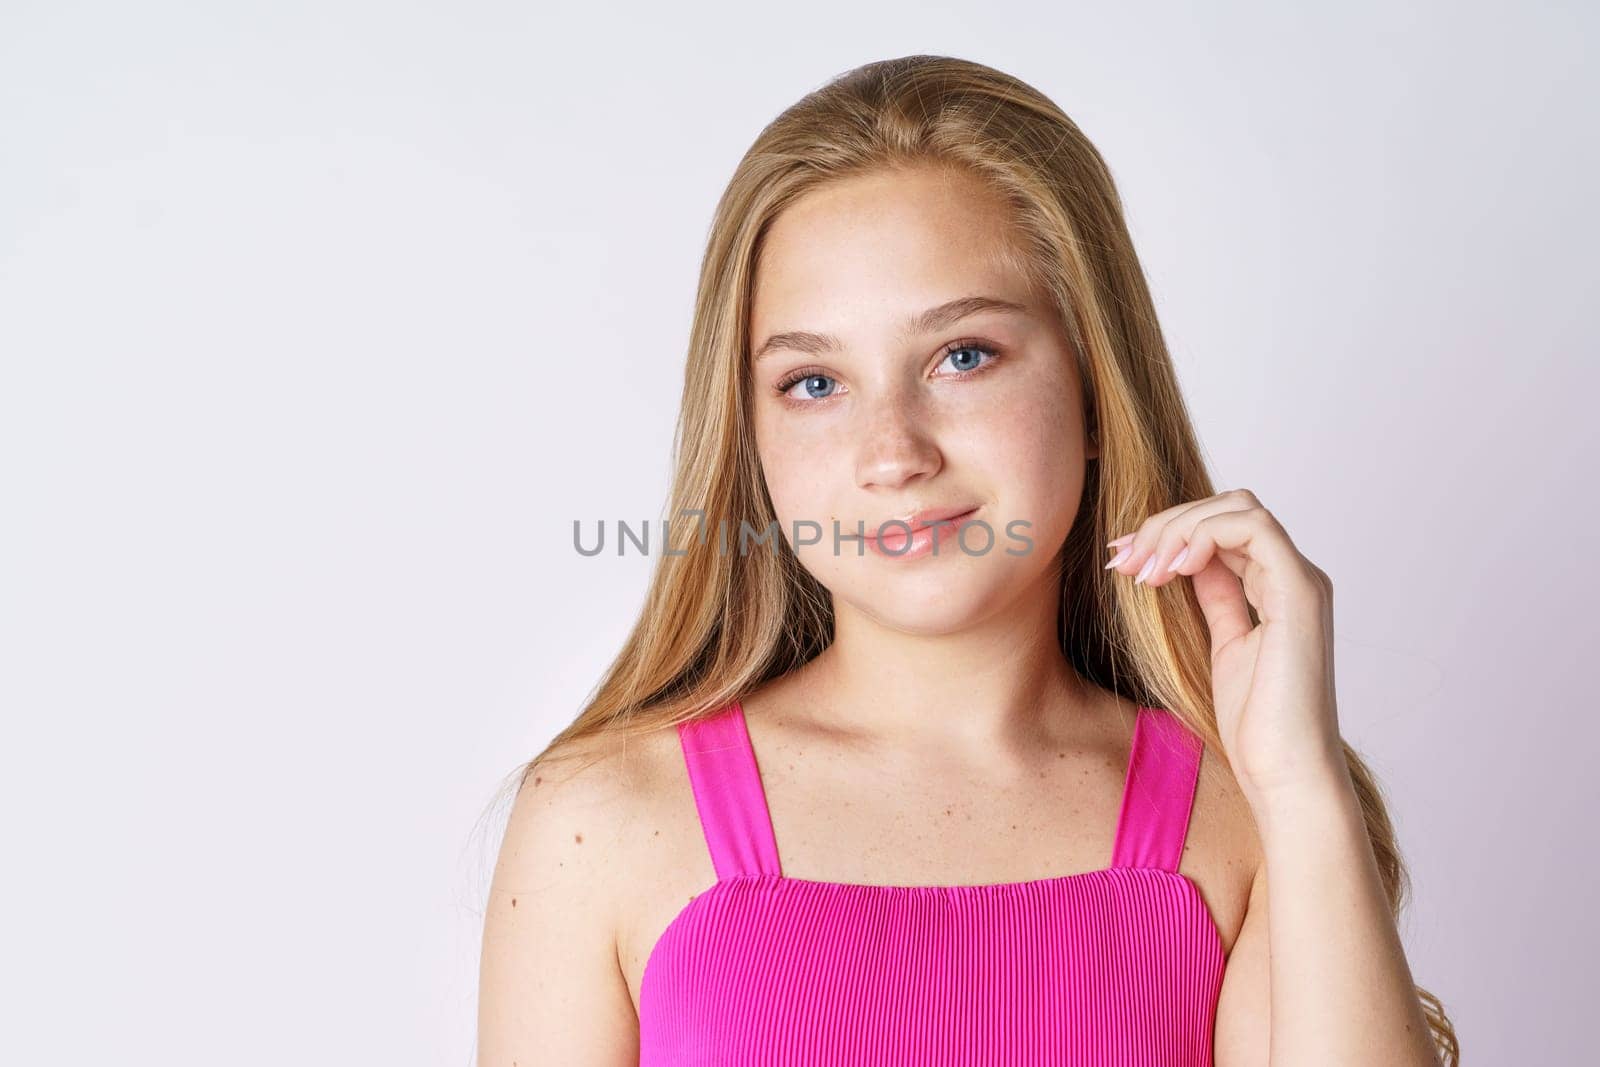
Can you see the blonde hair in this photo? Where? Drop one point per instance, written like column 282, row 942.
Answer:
column 717, row 624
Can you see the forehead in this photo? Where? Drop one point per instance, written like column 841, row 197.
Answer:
column 881, row 243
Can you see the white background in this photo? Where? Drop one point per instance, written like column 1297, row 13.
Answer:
column 321, row 323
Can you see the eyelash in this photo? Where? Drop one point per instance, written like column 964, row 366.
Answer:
column 796, row 377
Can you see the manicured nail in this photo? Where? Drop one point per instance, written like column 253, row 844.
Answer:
column 1179, row 558
column 1124, row 539
column 1119, row 557
column 1144, row 572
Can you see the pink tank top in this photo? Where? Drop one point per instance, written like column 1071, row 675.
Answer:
column 1119, row 966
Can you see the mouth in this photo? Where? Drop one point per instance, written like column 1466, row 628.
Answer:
column 922, row 520
column 930, row 530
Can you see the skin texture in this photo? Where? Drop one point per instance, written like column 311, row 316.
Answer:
column 905, row 422
column 943, row 738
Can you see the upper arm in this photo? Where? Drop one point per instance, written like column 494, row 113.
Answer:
column 550, row 988
column 1243, row 1025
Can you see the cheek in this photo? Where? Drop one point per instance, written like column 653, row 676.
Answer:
column 1050, row 474
column 796, row 473
column 1032, row 454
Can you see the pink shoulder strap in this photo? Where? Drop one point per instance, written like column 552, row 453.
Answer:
column 1158, row 794
column 727, row 792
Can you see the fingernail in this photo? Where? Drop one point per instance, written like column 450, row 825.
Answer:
column 1144, row 572
column 1179, row 558
column 1118, row 558
column 1124, row 539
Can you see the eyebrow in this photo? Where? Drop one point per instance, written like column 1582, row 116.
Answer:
column 929, row 321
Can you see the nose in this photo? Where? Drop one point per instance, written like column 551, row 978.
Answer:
column 897, row 444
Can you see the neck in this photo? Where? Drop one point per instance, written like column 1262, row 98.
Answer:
column 995, row 686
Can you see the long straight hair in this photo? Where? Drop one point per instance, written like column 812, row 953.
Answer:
column 717, row 624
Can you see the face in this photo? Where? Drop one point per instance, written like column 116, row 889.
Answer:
column 871, row 404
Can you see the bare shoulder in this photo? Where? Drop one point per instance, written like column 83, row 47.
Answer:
column 551, row 988
column 1222, row 845
column 1221, row 849
column 664, row 850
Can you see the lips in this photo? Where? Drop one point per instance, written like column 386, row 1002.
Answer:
column 918, row 520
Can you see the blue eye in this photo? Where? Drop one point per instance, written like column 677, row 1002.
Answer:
column 957, row 350
column 817, row 386
column 965, row 356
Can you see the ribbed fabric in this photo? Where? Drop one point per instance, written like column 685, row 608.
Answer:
column 1118, row 967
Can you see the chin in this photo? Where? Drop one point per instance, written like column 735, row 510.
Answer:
column 925, row 605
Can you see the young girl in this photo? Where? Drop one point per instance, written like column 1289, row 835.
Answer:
column 964, row 722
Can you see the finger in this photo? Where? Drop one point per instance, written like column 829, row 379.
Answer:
column 1136, row 546
column 1218, row 589
column 1172, row 543
column 1254, row 546
column 1163, row 535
